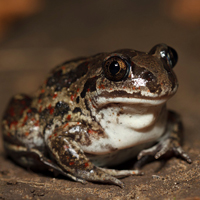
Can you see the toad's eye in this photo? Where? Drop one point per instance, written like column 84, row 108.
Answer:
column 168, row 54
column 116, row 68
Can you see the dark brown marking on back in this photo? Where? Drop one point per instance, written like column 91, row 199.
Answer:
column 61, row 108
column 60, row 80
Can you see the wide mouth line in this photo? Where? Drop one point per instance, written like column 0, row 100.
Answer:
column 135, row 95
column 101, row 101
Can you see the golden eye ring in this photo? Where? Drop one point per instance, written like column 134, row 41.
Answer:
column 116, row 68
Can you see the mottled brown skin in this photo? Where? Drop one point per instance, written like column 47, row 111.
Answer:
column 47, row 129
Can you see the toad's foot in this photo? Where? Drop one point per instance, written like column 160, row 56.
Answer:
column 169, row 145
column 72, row 160
column 170, row 142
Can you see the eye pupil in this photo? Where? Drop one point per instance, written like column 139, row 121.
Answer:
column 114, row 67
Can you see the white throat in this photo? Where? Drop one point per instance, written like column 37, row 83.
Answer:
column 128, row 125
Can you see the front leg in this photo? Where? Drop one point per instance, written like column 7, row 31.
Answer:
column 170, row 142
column 71, row 158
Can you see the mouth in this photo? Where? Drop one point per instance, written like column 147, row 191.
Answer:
column 106, row 99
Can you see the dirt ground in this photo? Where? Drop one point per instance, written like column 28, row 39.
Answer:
column 68, row 29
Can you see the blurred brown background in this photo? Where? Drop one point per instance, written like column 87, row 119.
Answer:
column 36, row 35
